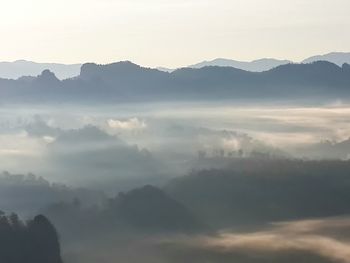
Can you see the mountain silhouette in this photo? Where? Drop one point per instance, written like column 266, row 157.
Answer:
column 149, row 207
column 338, row 58
column 125, row 81
column 143, row 209
column 254, row 66
column 19, row 68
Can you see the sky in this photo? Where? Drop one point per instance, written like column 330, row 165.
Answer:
column 171, row 33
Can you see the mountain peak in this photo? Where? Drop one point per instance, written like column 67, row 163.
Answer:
column 152, row 208
column 22, row 61
column 92, row 70
column 20, row 68
column 338, row 58
column 258, row 65
column 48, row 76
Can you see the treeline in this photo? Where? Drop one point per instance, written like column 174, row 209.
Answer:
column 34, row 241
column 140, row 211
column 27, row 194
column 250, row 191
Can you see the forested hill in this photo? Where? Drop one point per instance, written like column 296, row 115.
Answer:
column 35, row 241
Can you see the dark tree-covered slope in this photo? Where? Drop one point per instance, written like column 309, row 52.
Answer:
column 35, row 241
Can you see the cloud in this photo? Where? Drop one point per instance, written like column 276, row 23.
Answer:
column 19, row 144
column 325, row 238
column 48, row 139
column 276, row 241
column 129, row 124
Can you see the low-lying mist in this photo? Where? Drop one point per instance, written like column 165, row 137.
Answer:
column 181, row 182
column 74, row 142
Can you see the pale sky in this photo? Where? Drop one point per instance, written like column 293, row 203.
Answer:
column 171, row 33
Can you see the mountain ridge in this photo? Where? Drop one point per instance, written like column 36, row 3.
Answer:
column 338, row 58
column 20, row 68
column 25, row 68
column 126, row 81
column 258, row 65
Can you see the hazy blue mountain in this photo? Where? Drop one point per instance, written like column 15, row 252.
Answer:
column 125, row 81
column 129, row 81
column 338, row 58
column 19, row 68
column 254, row 66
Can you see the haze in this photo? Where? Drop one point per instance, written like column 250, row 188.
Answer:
column 171, row 33
column 186, row 131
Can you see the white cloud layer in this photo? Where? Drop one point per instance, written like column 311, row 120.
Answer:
column 131, row 124
column 326, row 238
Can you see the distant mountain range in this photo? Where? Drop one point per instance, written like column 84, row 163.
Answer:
column 127, row 82
column 260, row 65
column 254, row 66
column 338, row 58
column 20, row 68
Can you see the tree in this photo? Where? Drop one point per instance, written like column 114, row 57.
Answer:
column 35, row 241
